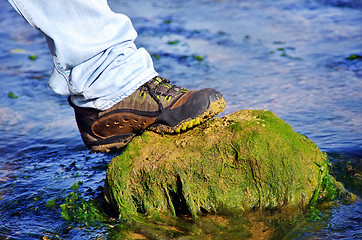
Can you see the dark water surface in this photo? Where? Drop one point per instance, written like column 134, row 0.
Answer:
column 286, row 56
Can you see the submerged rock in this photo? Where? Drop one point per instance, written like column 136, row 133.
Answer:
column 245, row 160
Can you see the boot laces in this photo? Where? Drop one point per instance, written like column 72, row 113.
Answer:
column 159, row 86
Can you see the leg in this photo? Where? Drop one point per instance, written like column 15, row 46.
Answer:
column 108, row 78
column 95, row 58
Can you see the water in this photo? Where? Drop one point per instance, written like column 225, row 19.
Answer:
column 285, row 56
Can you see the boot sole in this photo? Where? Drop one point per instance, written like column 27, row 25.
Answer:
column 105, row 148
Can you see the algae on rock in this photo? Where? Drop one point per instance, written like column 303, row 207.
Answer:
column 248, row 159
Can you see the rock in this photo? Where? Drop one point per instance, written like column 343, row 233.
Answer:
column 245, row 160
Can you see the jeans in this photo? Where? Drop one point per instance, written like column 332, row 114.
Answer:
column 95, row 58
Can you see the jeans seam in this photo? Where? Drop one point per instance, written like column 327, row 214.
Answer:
column 23, row 14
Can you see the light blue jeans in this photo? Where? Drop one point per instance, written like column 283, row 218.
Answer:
column 95, row 58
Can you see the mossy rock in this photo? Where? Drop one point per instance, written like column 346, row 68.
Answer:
column 245, row 160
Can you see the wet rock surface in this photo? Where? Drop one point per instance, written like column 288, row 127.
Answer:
column 246, row 160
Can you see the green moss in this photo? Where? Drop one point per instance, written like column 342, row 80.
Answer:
column 12, row 95
column 198, row 58
column 33, row 57
column 173, row 42
column 75, row 186
column 51, row 203
column 354, row 57
column 75, row 208
column 348, row 170
column 156, row 56
column 246, row 160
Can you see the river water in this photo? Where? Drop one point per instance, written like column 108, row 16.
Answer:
column 287, row 56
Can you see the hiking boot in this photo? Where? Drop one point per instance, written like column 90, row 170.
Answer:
column 157, row 106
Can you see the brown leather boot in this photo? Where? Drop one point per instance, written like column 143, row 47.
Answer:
column 156, row 105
